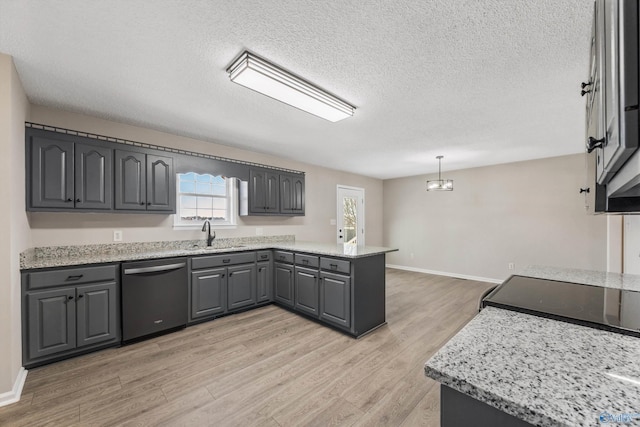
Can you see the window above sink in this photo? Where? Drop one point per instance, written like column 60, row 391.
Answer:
column 202, row 197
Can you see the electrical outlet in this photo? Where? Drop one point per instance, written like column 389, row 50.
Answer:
column 512, row 266
column 117, row 235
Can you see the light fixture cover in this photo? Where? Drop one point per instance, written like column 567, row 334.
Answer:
column 262, row 76
column 440, row 184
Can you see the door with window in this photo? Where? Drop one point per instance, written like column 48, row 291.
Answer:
column 350, row 216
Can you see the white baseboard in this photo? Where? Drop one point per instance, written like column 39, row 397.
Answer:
column 444, row 273
column 13, row 396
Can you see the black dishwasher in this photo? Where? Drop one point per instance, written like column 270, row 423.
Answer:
column 154, row 297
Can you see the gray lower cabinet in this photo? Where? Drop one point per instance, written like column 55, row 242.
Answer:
column 283, row 283
column 63, row 317
column 306, row 290
column 208, row 293
column 335, row 299
column 264, row 281
column 241, row 286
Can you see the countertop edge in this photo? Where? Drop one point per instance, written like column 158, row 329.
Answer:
column 29, row 264
column 523, row 413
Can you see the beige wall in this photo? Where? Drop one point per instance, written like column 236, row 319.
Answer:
column 66, row 229
column 526, row 213
column 14, row 109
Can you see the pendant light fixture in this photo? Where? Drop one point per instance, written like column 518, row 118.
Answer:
column 440, row 184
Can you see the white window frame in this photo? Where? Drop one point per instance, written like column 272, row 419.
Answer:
column 232, row 203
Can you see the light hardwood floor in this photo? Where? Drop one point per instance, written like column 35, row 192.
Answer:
column 266, row 367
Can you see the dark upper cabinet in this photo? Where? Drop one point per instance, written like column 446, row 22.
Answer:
column 51, row 180
column 264, row 192
column 144, row 182
column 292, row 194
column 131, row 180
column 69, row 176
column 275, row 193
column 93, row 177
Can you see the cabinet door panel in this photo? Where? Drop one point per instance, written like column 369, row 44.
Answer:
column 93, row 177
column 241, row 286
column 297, row 195
column 257, row 192
column 335, row 299
column 208, row 292
column 306, row 290
column 272, row 192
column 51, row 173
column 97, row 313
column 160, row 183
column 264, row 282
column 130, row 188
column 283, row 285
column 286, row 193
column 52, row 322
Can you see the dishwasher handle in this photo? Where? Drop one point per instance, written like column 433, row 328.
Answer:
column 154, row 269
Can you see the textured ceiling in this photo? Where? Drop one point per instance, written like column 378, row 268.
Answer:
column 478, row 81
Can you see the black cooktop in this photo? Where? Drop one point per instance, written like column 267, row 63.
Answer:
column 611, row 309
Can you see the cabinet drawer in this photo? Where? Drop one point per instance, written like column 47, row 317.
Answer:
column 222, row 260
column 71, row 276
column 337, row 265
column 307, row 260
column 264, row 255
column 282, row 256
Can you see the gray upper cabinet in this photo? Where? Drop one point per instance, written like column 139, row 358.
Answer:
column 292, row 194
column 93, row 177
column 144, row 182
column 275, row 193
column 131, row 180
column 264, row 192
column 67, row 175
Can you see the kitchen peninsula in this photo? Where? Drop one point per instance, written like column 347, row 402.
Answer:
column 517, row 369
column 341, row 286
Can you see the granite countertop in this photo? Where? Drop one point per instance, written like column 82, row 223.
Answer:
column 545, row 372
column 587, row 277
column 59, row 256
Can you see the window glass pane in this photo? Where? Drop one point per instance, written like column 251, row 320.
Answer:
column 188, row 176
column 204, row 214
column 220, row 189
column 219, row 203
column 187, row 213
column 204, row 178
column 220, row 215
column 203, row 188
column 204, row 202
column 187, row 202
column 187, row 187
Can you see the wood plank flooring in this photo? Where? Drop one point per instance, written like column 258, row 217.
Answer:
column 266, row 367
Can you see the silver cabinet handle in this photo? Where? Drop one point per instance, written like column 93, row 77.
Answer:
column 154, row 269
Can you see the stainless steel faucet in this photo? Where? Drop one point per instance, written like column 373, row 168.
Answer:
column 207, row 228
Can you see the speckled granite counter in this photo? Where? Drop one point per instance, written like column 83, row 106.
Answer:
column 542, row 371
column 587, row 277
column 59, row 256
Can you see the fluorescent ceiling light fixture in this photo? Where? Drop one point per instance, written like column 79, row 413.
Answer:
column 440, row 184
column 262, row 76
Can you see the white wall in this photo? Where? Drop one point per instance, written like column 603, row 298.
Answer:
column 78, row 228
column 526, row 213
column 14, row 109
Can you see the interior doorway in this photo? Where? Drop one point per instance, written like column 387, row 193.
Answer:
column 350, row 216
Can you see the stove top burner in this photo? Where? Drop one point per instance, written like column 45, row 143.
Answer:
column 611, row 309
